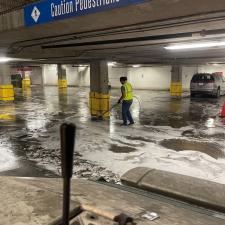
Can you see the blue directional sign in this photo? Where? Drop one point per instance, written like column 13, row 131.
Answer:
column 52, row 10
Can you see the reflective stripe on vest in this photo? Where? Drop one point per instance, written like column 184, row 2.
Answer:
column 128, row 91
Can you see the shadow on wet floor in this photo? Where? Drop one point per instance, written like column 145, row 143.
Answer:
column 138, row 138
column 121, row 149
column 29, row 169
column 211, row 149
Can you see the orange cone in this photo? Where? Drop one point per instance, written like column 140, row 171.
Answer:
column 223, row 111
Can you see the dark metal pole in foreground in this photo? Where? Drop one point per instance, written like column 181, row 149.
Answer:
column 67, row 133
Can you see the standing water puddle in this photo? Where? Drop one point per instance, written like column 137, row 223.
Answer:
column 212, row 149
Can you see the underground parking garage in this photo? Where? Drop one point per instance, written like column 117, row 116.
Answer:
column 66, row 69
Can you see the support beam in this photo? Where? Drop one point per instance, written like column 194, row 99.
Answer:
column 176, row 81
column 99, row 91
column 6, row 88
column 26, row 79
column 62, row 81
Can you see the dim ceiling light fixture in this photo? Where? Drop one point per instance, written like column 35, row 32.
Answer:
column 196, row 45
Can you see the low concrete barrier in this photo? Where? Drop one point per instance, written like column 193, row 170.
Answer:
column 190, row 189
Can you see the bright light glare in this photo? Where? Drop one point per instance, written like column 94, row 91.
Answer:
column 111, row 63
column 136, row 66
column 196, row 45
column 5, row 59
column 210, row 123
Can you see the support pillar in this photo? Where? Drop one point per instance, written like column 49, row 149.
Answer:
column 176, row 81
column 26, row 79
column 99, row 91
column 62, row 81
column 6, row 88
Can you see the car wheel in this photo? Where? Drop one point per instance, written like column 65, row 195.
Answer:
column 192, row 95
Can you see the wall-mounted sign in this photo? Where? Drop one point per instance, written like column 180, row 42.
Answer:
column 51, row 10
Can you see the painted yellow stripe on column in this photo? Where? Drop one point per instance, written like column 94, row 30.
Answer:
column 99, row 104
column 25, row 83
column 62, row 83
column 6, row 93
column 176, row 89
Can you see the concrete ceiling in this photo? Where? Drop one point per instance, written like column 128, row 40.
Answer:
column 9, row 5
column 132, row 35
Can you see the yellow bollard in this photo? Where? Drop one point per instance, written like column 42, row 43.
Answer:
column 6, row 93
column 99, row 104
column 176, row 89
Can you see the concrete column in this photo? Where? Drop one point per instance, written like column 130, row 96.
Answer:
column 176, row 81
column 62, row 81
column 26, row 79
column 99, row 91
column 6, row 89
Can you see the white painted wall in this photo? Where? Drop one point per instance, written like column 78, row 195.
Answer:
column 49, row 73
column 5, row 74
column 76, row 76
column 114, row 75
column 36, row 76
column 212, row 69
column 187, row 73
column 153, row 78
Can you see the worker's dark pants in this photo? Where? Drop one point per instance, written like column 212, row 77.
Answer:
column 126, row 111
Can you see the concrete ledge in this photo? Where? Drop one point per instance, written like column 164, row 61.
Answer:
column 37, row 201
column 190, row 189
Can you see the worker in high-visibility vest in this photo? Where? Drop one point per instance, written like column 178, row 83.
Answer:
column 127, row 100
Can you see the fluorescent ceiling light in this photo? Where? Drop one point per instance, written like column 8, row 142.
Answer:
column 136, row 66
column 83, row 65
column 196, row 45
column 8, row 59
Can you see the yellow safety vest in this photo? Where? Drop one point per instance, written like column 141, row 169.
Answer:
column 128, row 91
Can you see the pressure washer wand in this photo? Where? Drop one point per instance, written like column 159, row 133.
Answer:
column 67, row 133
column 110, row 109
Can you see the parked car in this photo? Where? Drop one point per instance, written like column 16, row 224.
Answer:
column 207, row 83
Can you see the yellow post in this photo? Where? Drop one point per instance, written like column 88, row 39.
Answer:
column 26, row 83
column 6, row 93
column 99, row 104
column 176, row 89
column 62, row 83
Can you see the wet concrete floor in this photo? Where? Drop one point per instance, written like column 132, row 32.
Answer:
column 183, row 136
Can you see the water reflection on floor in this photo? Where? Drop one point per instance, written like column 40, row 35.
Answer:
column 184, row 136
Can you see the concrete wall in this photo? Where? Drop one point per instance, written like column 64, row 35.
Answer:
column 153, row 78
column 49, row 73
column 36, row 76
column 187, row 73
column 76, row 76
column 5, row 74
column 114, row 75
column 212, row 69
